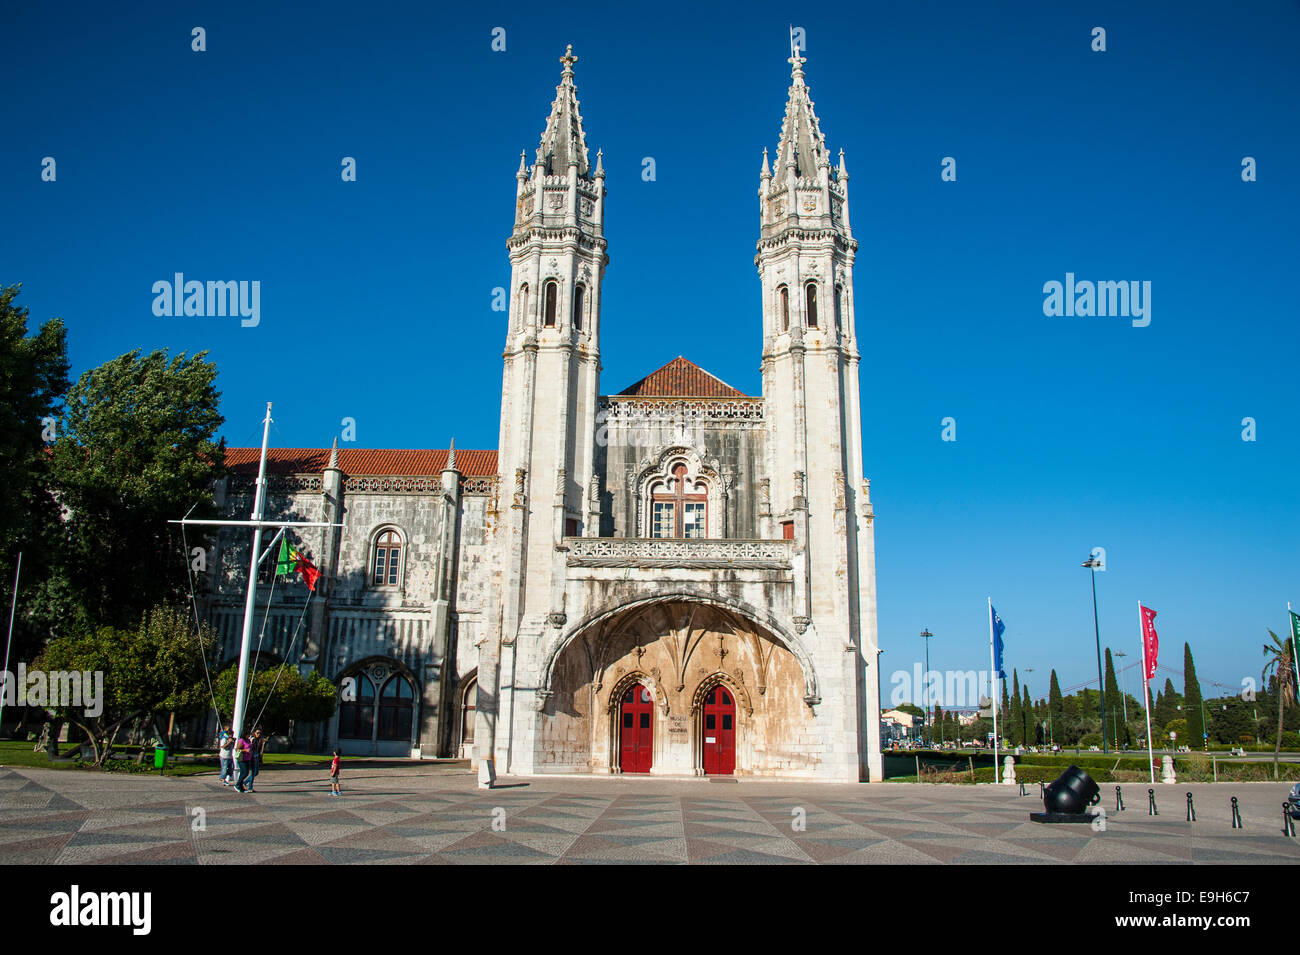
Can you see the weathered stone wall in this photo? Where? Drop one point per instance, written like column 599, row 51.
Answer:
column 725, row 436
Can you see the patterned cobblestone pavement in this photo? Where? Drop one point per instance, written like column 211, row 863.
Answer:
column 422, row 815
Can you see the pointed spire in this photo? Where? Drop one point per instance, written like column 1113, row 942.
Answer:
column 844, row 172
column 563, row 141
column 334, row 454
column 802, row 146
column 600, row 166
column 451, row 456
column 766, row 173
column 523, row 167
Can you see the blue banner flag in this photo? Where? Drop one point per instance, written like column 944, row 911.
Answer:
column 998, row 629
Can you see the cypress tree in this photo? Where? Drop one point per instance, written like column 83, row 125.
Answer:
column 1055, row 708
column 1016, row 727
column 1192, row 700
column 1027, row 716
column 1114, row 704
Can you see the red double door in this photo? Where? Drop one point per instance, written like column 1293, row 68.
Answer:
column 636, row 728
column 719, row 732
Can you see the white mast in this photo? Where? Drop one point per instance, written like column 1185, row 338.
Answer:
column 255, row 558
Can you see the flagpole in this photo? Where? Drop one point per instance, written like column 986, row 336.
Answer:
column 13, row 607
column 1295, row 645
column 259, row 502
column 1146, row 691
column 993, row 693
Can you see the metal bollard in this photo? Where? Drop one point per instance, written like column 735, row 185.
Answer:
column 1119, row 800
column 1151, row 803
column 1288, row 826
column 1191, row 811
column 1236, row 815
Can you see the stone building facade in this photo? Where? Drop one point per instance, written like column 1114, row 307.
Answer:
column 675, row 579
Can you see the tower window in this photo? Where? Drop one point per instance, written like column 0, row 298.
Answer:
column 579, row 300
column 810, row 300
column 839, row 299
column 523, row 305
column 552, row 293
column 387, row 567
column 785, row 308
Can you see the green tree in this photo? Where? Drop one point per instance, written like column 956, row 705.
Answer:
column 1115, row 705
column 1055, row 709
column 1167, row 704
column 33, row 381
column 1030, row 720
column 1016, row 727
column 1192, row 700
column 1280, row 666
column 278, row 694
column 137, row 449
column 154, row 668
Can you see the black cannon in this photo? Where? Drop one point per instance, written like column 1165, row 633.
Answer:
column 1067, row 798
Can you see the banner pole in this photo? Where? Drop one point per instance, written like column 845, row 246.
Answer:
column 993, row 695
column 1146, row 691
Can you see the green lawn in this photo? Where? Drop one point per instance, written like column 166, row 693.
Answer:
column 19, row 753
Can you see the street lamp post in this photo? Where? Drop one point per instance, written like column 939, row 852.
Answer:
column 925, row 683
column 1092, row 563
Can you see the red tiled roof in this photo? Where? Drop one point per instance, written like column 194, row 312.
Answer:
column 682, row 379
column 361, row 461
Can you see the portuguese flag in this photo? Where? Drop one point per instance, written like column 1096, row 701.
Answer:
column 291, row 560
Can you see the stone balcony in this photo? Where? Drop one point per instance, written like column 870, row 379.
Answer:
column 702, row 554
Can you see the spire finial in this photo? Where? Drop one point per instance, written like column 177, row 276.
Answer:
column 796, row 61
column 568, row 60
column 451, row 456
column 334, row 453
column 600, row 166
column 523, row 167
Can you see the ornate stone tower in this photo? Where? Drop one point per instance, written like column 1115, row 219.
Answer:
column 810, row 385
column 550, row 383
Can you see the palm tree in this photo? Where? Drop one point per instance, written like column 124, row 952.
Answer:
column 1280, row 663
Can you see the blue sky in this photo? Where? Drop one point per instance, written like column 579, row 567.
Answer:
column 1071, row 432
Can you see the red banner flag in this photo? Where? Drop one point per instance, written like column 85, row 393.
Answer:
column 1150, row 640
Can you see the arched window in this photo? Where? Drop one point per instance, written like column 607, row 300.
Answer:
column 839, row 299
column 357, row 717
column 396, row 706
column 523, row 305
column 579, row 300
column 810, row 303
column 679, row 510
column 784, row 294
column 551, row 295
column 386, row 568
column 469, row 702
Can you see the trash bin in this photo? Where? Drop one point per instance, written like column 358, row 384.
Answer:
column 159, row 756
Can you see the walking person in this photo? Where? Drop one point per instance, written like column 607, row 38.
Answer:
column 243, row 755
column 225, row 744
column 334, row 775
column 256, row 745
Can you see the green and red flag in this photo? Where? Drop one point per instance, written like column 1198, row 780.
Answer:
column 292, row 560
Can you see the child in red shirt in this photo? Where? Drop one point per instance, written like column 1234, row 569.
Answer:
column 334, row 775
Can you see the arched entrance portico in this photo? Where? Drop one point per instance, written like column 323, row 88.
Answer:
column 639, row 688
